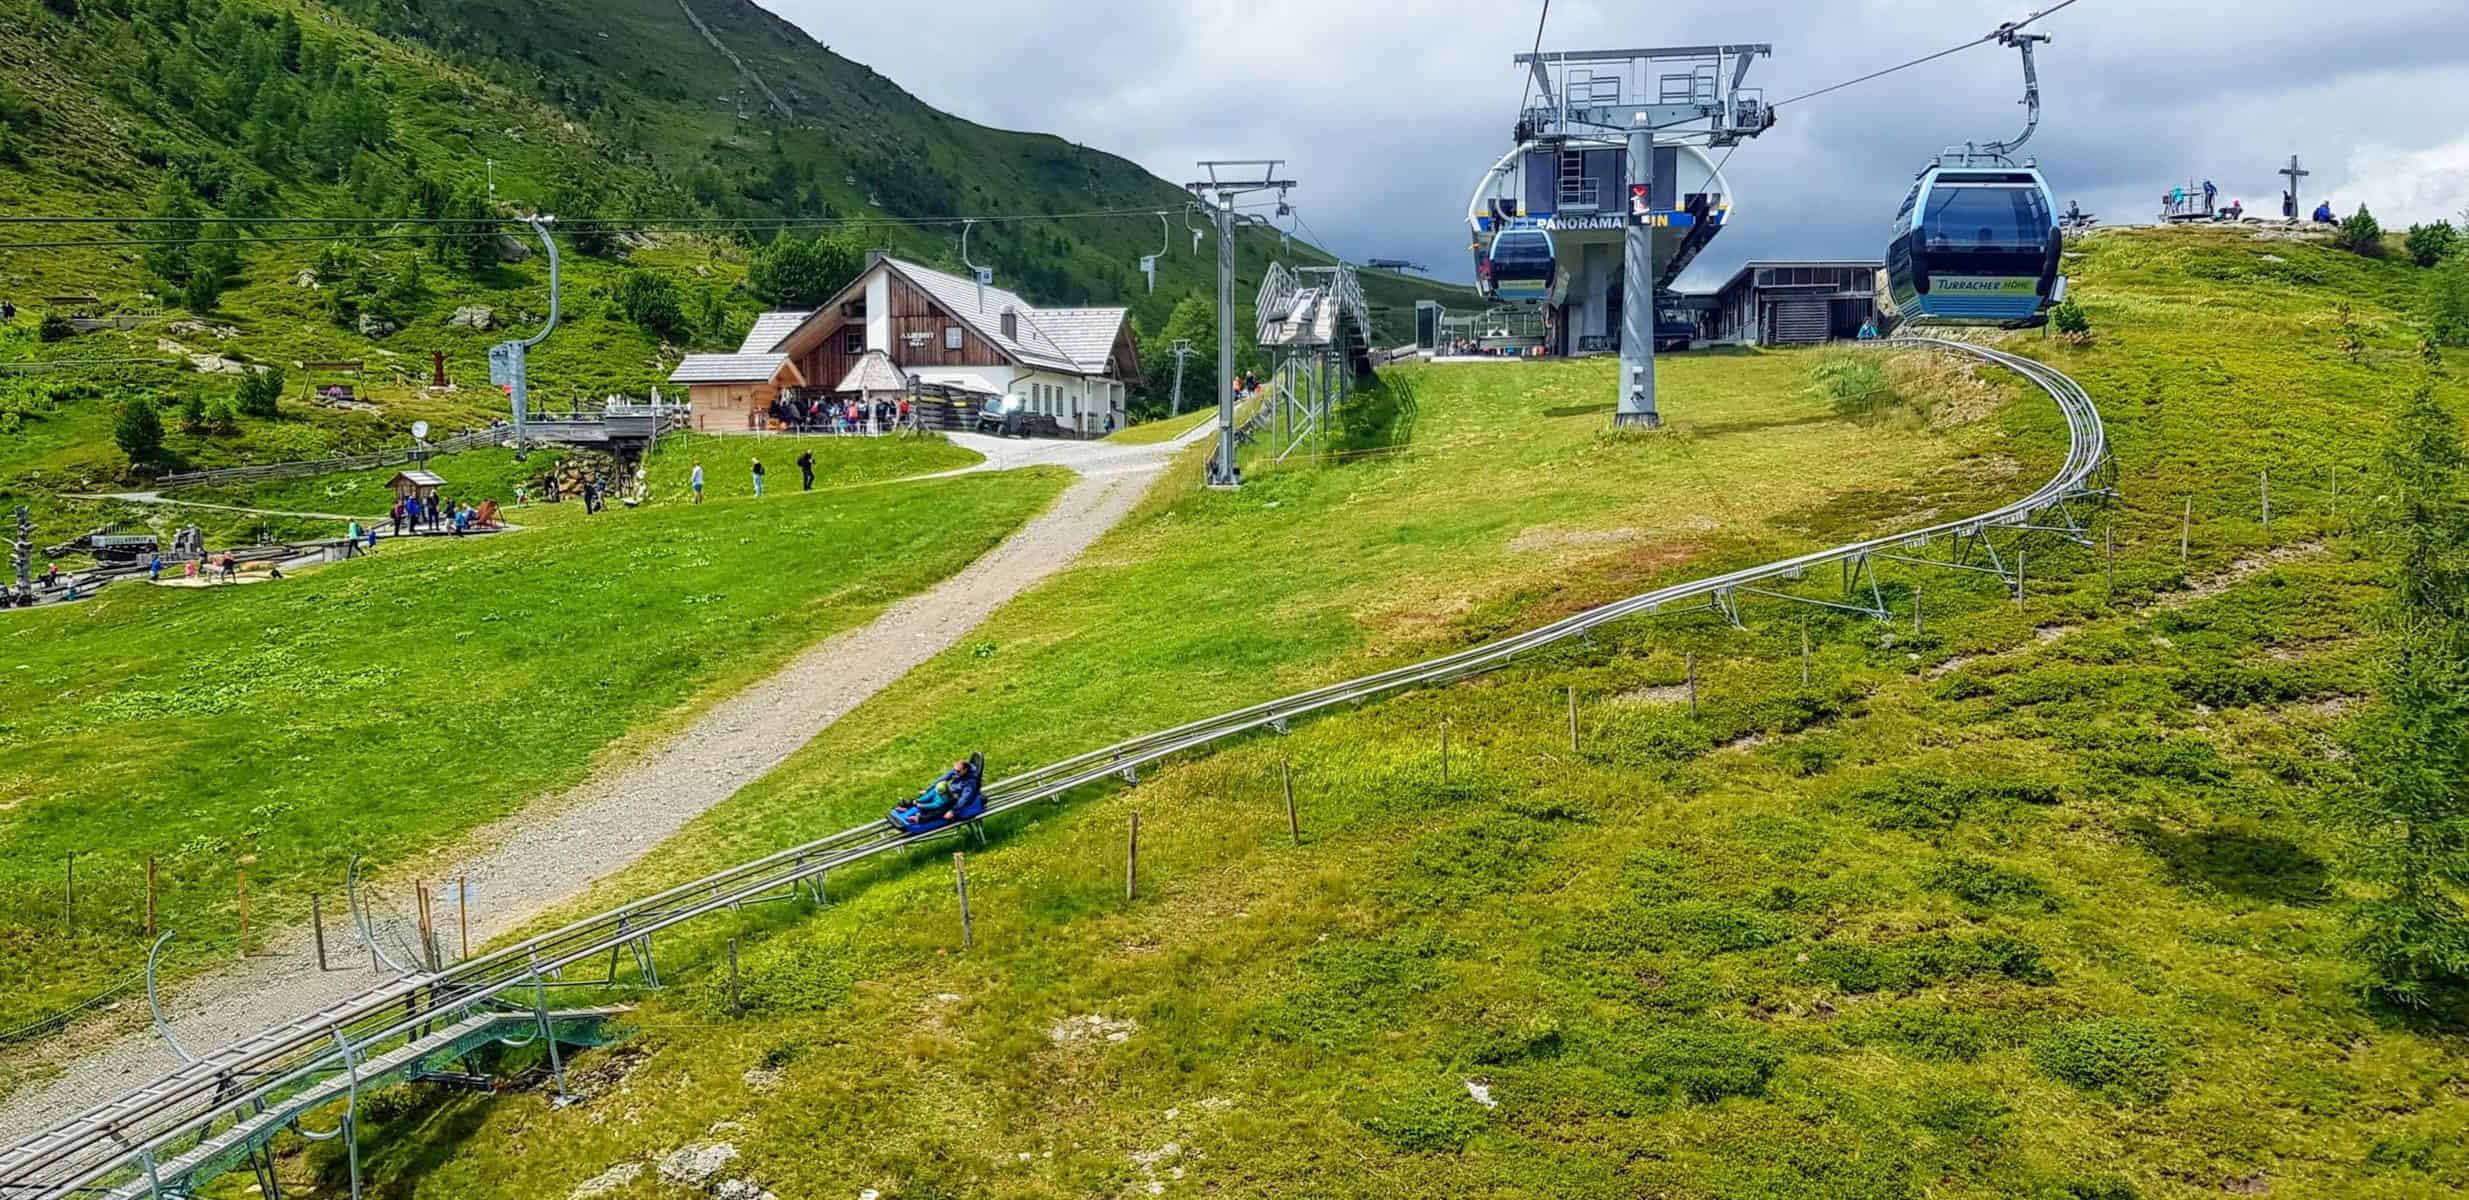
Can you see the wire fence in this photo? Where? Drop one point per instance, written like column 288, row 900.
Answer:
column 47, row 1025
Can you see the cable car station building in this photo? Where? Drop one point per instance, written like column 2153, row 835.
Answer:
column 1792, row 303
column 1550, row 219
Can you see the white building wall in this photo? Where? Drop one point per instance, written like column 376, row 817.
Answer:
column 1076, row 402
column 879, row 312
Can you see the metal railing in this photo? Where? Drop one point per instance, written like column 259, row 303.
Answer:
column 119, row 1143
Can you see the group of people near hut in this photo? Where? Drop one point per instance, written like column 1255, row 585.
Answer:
column 823, row 414
column 436, row 513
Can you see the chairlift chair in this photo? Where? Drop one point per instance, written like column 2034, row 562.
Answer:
column 1148, row 262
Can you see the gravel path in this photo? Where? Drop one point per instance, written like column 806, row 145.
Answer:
column 532, row 861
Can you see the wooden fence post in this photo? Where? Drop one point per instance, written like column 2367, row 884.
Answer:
column 1573, row 718
column 317, row 926
column 428, row 929
column 1916, row 626
column 1285, row 776
column 2186, row 531
column 1131, row 861
column 960, row 880
column 1692, row 664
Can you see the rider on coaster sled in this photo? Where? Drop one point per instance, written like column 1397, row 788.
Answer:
column 958, row 797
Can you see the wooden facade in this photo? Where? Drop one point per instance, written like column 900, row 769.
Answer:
column 727, row 407
column 821, row 350
column 923, row 333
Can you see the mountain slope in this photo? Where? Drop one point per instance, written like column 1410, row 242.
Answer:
column 2038, row 901
column 406, row 109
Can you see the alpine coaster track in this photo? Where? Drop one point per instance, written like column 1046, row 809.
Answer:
column 162, row 1139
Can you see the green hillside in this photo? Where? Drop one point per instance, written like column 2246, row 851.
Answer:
column 2044, row 901
column 611, row 116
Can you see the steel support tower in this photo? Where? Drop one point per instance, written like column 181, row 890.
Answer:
column 1230, row 180
column 1666, row 95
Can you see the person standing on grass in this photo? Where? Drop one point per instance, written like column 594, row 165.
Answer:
column 154, row 569
column 805, row 468
column 758, row 478
column 697, row 483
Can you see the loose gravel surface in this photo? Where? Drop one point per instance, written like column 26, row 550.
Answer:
column 534, row 860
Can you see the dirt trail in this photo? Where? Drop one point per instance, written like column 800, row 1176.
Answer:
column 532, row 861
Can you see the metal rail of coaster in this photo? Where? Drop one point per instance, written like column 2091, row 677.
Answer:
column 121, row 1147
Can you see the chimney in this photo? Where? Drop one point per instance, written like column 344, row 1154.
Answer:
column 874, row 258
column 1011, row 324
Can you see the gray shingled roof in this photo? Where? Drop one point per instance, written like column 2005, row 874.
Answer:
column 1077, row 340
column 1086, row 334
column 1055, row 338
column 770, row 330
column 728, row 368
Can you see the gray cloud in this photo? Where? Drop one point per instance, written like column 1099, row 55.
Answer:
column 1388, row 110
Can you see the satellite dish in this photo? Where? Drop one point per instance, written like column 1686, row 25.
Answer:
column 420, row 431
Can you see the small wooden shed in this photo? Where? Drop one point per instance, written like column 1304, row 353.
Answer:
column 417, row 485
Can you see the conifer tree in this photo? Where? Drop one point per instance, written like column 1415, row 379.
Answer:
column 2408, row 814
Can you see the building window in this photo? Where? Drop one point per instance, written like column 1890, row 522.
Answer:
column 853, row 341
column 951, row 337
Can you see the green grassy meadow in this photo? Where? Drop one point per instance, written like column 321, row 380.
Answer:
column 838, row 462
column 389, row 705
column 1164, row 429
column 2032, row 903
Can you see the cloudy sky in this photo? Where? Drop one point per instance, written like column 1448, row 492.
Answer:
column 1390, row 110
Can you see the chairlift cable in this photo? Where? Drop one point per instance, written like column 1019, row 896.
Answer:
column 1526, row 90
column 569, row 224
column 471, row 225
column 1983, row 39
